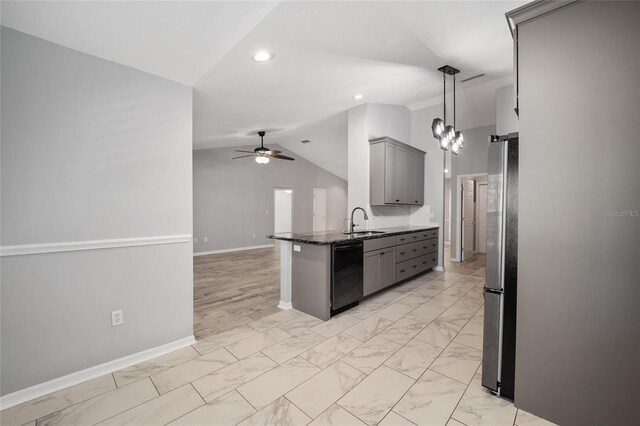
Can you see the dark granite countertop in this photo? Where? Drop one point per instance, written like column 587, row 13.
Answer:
column 336, row 237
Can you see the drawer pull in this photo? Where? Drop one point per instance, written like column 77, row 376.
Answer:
column 414, row 266
column 397, row 201
column 415, row 250
column 401, row 270
column 381, row 253
column 415, row 237
column 401, row 253
column 424, row 262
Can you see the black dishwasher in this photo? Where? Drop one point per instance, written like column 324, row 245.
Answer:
column 346, row 276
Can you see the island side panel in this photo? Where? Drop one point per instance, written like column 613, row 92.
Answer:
column 311, row 279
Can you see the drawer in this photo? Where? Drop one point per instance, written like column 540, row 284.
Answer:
column 407, row 238
column 379, row 243
column 408, row 251
column 429, row 261
column 428, row 246
column 432, row 233
column 406, row 269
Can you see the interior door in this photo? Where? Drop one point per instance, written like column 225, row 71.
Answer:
column 481, row 217
column 468, row 218
column 319, row 209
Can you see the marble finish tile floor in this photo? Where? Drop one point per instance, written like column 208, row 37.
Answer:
column 408, row 356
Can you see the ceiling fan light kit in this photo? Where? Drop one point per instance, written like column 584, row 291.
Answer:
column 447, row 135
column 262, row 154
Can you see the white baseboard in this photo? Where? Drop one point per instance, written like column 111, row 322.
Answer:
column 285, row 305
column 454, row 259
column 439, row 268
column 54, row 385
column 203, row 253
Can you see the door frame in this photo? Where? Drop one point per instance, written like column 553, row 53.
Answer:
column 477, row 230
column 457, row 256
column 293, row 193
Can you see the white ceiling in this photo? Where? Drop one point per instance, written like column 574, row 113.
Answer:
column 325, row 53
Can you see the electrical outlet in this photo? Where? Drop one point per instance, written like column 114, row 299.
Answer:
column 205, row 239
column 117, row 318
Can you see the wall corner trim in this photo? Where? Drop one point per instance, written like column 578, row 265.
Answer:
column 285, row 305
column 28, row 249
column 36, row 391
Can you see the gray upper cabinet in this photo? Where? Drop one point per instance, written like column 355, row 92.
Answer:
column 396, row 173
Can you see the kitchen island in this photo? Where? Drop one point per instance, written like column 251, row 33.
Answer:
column 325, row 273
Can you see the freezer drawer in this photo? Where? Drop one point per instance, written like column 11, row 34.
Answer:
column 491, row 340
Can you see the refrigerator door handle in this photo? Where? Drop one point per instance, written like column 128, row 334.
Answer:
column 493, row 290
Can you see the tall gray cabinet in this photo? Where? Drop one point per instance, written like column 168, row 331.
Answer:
column 577, row 339
column 396, row 173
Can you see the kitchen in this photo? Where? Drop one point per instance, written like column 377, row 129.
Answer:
column 149, row 277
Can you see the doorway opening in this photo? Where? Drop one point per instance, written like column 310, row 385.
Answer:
column 470, row 217
column 319, row 209
column 282, row 210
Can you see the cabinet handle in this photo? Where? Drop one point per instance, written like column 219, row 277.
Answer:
column 414, row 266
column 401, row 270
column 381, row 253
column 397, row 201
column 415, row 250
column 416, row 201
column 424, row 262
column 401, row 253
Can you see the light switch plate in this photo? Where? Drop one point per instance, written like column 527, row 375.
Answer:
column 296, row 247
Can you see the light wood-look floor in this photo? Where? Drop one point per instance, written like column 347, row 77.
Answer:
column 231, row 289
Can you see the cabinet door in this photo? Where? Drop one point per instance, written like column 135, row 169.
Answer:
column 390, row 187
column 371, row 272
column 401, row 176
column 418, row 189
column 387, row 268
column 410, row 178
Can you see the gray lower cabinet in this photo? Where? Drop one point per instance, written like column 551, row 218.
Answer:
column 393, row 259
column 379, row 270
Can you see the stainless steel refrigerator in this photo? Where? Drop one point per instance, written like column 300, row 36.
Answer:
column 501, row 289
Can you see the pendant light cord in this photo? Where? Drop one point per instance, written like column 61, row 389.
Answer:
column 444, row 95
column 454, row 102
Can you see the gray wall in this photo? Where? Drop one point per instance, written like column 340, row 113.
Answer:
column 422, row 138
column 578, row 346
column 233, row 199
column 473, row 159
column 91, row 150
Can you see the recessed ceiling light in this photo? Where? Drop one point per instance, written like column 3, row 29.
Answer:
column 263, row 56
column 358, row 96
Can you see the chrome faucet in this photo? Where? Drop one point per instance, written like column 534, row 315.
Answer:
column 353, row 225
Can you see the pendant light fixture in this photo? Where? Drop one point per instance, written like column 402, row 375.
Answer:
column 447, row 135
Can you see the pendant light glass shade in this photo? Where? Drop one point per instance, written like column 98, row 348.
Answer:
column 450, row 133
column 444, row 143
column 455, row 147
column 262, row 159
column 437, row 127
column 459, row 139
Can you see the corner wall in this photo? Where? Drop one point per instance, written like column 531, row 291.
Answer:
column 96, row 157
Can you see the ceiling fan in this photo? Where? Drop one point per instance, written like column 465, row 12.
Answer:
column 262, row 154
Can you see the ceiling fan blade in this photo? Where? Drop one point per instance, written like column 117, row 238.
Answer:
column 248, row 152
column 243, row 156
column 273, row 152
column 282, row 157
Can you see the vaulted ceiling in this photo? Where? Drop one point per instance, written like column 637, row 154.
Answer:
column 326, row 52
